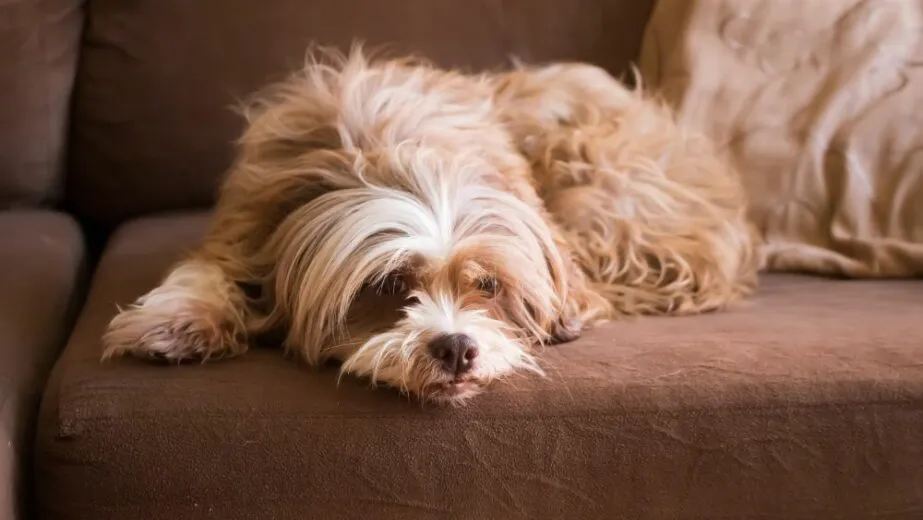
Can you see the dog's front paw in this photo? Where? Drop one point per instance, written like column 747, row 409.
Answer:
column 565, row 331
column 190, row 333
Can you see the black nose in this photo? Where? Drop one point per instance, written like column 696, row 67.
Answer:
column 456, row 352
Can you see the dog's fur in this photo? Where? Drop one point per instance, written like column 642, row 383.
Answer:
column 377, row 205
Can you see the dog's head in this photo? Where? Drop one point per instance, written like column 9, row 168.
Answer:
column 400, row 247
column 423, row 276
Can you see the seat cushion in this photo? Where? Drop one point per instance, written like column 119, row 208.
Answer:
column 41, row 263
column 812, row 391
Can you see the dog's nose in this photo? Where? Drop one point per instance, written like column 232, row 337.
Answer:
column 456, row 352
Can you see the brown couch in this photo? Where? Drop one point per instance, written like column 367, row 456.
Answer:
column 114, row 115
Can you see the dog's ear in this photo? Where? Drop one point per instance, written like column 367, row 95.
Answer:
column 287, row 137
column 276, row 173
column 291, row 151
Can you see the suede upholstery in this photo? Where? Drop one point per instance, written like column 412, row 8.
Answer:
column 41, row 271
column 39, row 49
column 812, row 391
column 116, row 124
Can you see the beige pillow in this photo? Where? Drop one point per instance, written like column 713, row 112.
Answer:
column 820, row 105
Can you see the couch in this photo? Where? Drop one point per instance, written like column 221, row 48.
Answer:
column 116, row 124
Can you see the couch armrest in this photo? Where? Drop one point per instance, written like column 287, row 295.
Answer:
column 41, row 271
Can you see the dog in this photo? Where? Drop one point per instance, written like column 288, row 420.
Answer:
column 431, row 229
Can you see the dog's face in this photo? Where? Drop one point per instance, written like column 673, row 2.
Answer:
column 399, row 245
column 419, row 273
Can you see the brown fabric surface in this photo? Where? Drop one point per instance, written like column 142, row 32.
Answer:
column 41, row 263
column 818, row 103
column 39, row 45
column 806, row 403
column 153, row 120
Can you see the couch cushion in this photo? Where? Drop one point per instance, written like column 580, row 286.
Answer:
column 153, row 125
column 39, row 46
column 813, row 391
column 41, row 262
column 817, row 104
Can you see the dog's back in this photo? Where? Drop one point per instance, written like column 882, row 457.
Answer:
column 653, row 214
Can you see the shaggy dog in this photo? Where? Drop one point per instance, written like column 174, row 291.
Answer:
column 429, row 229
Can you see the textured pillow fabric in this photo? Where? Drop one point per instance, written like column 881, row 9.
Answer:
column 820, row 105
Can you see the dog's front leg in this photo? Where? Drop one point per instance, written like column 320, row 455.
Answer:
column 198, row 312
column 583, row 308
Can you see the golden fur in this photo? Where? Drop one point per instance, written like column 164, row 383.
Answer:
column 379, row 206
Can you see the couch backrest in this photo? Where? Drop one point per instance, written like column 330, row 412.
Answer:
column 153, row 127
column 39, row 47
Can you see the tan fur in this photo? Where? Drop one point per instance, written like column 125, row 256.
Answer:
column 377, row 205
column 651, row 213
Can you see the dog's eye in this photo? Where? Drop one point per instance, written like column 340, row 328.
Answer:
column 393, row 284
column 488, row 285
